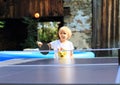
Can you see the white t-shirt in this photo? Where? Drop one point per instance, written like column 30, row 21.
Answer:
column 67, row 46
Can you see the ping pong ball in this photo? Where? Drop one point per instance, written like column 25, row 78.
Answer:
column 36, row 15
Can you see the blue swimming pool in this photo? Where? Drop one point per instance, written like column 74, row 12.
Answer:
column 6, row 55
column 3, row 58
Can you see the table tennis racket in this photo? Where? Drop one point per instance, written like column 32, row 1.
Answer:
column 44, row 49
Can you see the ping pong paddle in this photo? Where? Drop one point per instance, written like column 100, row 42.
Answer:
column 44, row 49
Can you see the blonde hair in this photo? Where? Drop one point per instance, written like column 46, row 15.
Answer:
column 66, row 29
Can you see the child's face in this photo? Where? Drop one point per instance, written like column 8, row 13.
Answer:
column 63, row 35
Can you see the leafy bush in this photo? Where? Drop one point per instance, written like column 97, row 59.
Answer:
column 47, row 31
column 30, row 42
column 39, row 31
column 2, row 24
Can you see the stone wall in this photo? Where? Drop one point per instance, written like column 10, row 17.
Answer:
column 79, row 20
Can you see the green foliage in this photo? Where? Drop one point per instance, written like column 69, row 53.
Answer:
column 30, row 42
column 48, row 32
column 2, row 24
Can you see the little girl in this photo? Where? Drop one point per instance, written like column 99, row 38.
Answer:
column 62, row 47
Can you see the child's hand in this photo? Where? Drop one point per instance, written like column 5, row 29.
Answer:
column 39, row 43
column 60, row 49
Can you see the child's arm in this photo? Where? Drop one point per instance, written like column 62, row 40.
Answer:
column 71, row 54
column 72, row 57
column 40, row 44
column 49, row 45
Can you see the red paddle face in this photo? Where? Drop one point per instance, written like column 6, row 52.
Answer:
column 44, row 49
